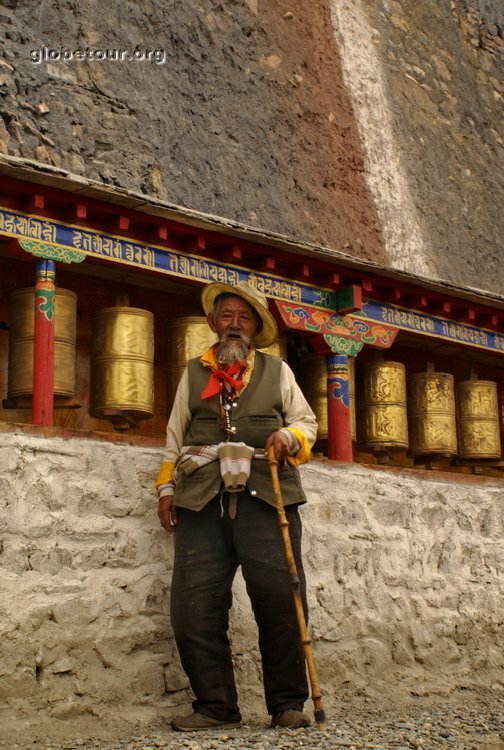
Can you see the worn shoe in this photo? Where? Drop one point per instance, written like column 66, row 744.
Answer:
column 195, row 722
column 290, row 719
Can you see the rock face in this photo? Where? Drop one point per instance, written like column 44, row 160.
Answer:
column 405, row 576
column 246, row 117
column 427, row 85
column 370, row 127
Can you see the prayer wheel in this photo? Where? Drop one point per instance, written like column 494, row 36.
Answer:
column 21, row 343
column 278, row 348
column 186, row 338
column 501, row 415
column 478, row 419
column 122, row 366
column 190, row 337
column 314, row 386
column 431, row 414
column 382, row 422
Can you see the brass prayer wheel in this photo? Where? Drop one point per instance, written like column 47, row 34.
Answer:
column 382, row 411
column 278, row 348
column 21, row 343
column 314, row 385
column 122, row 366
column 431, row 413
column 186, row 338
column 478, row 419
column 190, row 337
column 501, row 415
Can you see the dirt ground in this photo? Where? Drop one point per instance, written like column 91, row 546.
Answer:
column 466, row 719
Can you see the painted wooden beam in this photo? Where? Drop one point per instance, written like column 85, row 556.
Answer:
column 349, row 299
column 486, row 320
column 417, row 301
column 391, row 294
column 157, row 233
column 195, row 244
column 233, row 254
column 366, row 286
column 465, row 314
column 329, row 279
column 266, row 264
column 440, row 307
column 118, row 224
column 34, row 203
column 76, row 212
column 300, row 271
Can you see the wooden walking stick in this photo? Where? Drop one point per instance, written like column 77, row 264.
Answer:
column 319, row 713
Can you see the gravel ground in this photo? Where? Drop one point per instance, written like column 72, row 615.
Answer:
column 472, row 721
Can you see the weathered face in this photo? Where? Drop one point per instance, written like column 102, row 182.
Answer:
column 234, row 319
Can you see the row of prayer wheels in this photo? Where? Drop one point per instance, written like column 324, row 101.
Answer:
column 122, row 357
column 425, row 414
column 428, row 416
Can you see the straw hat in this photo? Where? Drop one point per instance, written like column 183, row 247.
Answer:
column 256, row 299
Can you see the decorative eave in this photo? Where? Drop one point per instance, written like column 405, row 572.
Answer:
column 59, row 195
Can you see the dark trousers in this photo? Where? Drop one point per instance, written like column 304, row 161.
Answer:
column 209, row 547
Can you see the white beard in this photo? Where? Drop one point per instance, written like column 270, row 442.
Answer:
column 231, row 349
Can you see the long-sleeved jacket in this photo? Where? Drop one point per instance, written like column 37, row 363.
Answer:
column 270, row 397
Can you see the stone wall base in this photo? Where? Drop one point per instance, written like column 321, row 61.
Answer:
column 405, row 572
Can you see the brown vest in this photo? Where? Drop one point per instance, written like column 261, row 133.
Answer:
column 258, row 413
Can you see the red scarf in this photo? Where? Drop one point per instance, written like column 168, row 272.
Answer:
column 213, row 386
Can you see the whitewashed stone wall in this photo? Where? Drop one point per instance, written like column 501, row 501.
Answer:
column 405, row 571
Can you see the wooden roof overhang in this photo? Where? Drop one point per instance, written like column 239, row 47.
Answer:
column 341, row 284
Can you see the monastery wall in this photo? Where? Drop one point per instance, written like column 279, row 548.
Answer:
column 405, row 574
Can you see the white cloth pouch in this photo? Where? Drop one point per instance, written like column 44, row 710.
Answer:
column 235, row 460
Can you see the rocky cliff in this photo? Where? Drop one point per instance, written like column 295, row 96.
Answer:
column 370, row 127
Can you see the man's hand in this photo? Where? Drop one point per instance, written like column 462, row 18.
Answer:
column 280, row 443
column 167, row 513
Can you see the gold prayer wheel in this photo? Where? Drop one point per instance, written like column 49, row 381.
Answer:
column 478, row 419
column 314, row 386
column 186, row 338
column 122, row 366
column 501, row 415
column 190, row 337
column 278, row 348
column 382, row 412
column 431, row 413
column 22, row 325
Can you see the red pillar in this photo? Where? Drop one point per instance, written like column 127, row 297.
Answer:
column 339, row 442
column 43, row 344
